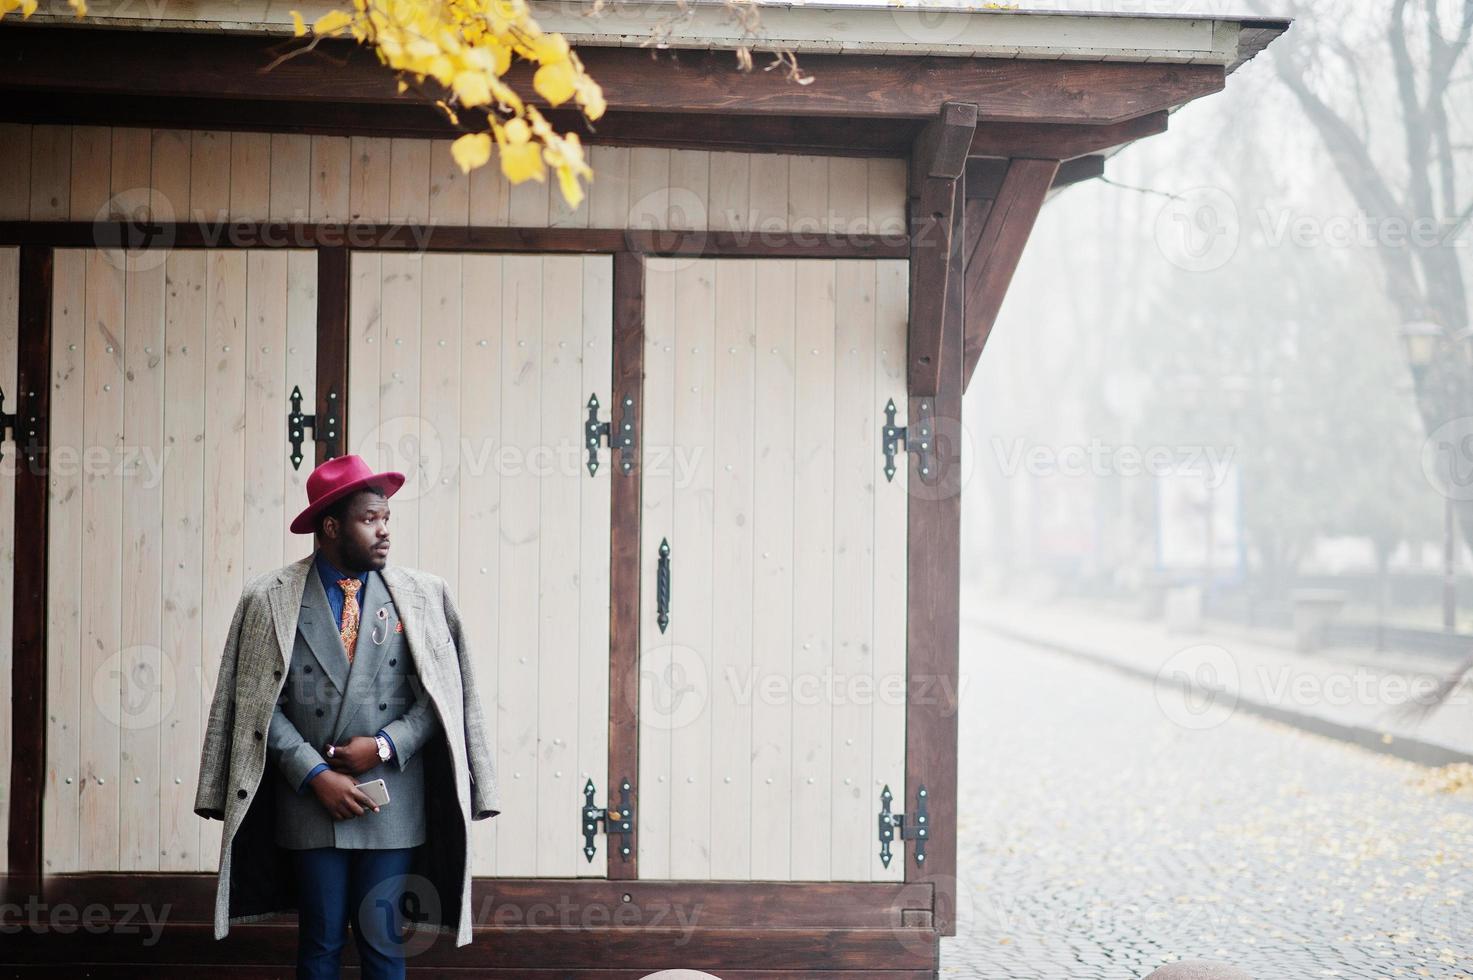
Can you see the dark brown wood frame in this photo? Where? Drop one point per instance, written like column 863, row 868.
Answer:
column 342, row 237
column 624, row 553
column 871, row 929
column 567, row 927
column 161, row 66
column 28, row 637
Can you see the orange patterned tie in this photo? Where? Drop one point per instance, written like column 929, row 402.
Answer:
column 350, row 614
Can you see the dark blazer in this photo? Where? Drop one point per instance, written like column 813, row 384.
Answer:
column 325, row 700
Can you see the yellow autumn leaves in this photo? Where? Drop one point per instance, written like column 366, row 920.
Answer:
column 467, row 46
column 28, row 7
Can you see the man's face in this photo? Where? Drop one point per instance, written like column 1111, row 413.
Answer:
column 362, row 537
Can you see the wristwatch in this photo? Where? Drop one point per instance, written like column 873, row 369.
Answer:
column 383, row 748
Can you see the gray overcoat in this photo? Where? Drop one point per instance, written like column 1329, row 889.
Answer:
column 237, row 784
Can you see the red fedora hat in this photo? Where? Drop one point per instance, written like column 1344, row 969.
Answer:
column 334, row 480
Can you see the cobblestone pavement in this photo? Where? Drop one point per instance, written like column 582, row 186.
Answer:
column 1098, row 838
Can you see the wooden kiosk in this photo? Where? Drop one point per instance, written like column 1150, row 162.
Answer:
column 687, row 454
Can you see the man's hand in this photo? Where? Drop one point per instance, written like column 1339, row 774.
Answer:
column 356, row 757
column 340, row 796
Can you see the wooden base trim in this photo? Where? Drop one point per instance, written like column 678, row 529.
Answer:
column 169, row 971
column 438, row 238
column 517, row 948
column 119, row 924
column 565, row 902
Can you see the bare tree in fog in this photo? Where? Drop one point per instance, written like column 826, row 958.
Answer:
column 1407, row 179
column 1426, row 42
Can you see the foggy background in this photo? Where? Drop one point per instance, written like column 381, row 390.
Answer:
column 1221, row 305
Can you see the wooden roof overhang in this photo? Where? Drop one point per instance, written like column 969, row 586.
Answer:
column 987, row 138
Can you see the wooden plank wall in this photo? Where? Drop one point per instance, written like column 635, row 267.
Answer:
column 83, row 173
column 765, row 381
column 228, row 340
column 169, row 489
column 9, row 310
column 469, row 373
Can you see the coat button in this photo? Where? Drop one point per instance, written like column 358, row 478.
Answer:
column 383, row 707
column 241, row 793
column 276, row 674
column 319, row 712
column 393, row 661
column 258, row 736
column 307, row 669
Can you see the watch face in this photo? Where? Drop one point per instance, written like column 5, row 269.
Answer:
column 383, row 749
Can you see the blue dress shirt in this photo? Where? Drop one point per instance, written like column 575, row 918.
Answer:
column 331, row 576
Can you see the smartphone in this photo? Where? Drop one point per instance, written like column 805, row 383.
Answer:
column 376, row 791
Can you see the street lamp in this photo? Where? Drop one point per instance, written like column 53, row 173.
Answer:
column 1423, row 341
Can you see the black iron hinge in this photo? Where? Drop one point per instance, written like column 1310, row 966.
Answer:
column 922, row 442
column 596, row 433
column 297, row 423
column 917, row 828
column 615, row 821
column 10, row 423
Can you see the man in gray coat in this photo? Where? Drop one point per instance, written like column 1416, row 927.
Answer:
column 374, row 685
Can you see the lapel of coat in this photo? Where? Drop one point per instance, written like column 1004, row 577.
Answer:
column 285, row 597
column 368, row 656
column 410, row 601
column 314, row 616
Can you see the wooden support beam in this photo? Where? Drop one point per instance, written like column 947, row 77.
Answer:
column 940, row 149
column 159, row 64
column 30, row 402
column 998, row 246
column 1044, row 141
column 1077, row 171
column 850, row 136
column 937, row 163
column 445, row 238
column 985, row 176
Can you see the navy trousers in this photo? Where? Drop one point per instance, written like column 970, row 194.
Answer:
column 362, row 888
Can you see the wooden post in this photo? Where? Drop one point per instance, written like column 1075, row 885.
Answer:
column 28, row 639
column 933, row 556
column 937, row 161
column 332, row 350
column 624, row 564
